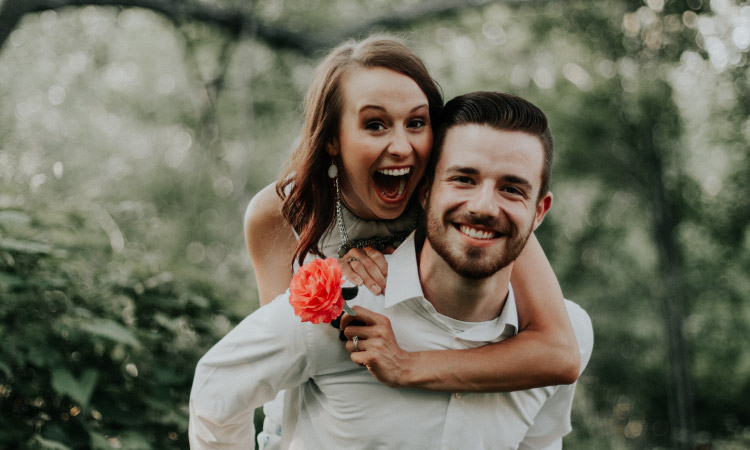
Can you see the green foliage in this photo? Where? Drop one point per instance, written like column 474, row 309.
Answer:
column 103, row 349
column 130, row 145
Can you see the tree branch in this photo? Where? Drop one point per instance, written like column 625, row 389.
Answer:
column 234, row 20
column 11, row 13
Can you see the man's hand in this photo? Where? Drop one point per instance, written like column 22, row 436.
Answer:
column 377, row 348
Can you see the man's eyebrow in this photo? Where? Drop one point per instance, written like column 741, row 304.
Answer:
column 518, row 181
column 466, row 170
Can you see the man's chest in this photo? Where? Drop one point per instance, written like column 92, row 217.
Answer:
column 343, row 396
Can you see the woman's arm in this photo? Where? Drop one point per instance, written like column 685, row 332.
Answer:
column 270, row 242
column 543, row 353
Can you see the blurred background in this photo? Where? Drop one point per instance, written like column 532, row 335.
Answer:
column 133, row 134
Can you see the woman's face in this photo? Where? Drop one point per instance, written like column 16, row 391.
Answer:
column 384, row 142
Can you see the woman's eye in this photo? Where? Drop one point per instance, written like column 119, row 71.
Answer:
column 374, row 126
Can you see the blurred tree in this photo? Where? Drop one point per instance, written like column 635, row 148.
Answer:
column 162, row 118
column 239, row 19
column 103, row 347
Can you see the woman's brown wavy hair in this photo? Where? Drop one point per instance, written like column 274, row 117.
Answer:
column 306, row 190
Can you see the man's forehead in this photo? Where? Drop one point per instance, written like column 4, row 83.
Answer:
column 482, row 148
column 469, row 139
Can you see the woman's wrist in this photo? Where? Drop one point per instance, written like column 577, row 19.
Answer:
column 408, row 375
column 419, row 371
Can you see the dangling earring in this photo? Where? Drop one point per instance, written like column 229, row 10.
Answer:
column 333, row 171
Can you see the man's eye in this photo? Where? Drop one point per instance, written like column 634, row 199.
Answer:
column 374, row 126
column 512, row 190
column 462, row 180
column 417, row 123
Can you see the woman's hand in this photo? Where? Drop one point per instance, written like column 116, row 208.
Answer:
column 377, row 348
column 366, row 266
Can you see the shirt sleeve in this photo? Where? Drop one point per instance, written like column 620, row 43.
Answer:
column 266, row 353
column 553, row 420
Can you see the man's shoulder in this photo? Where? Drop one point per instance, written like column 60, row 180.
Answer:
column 320, row 340
column 583, row 330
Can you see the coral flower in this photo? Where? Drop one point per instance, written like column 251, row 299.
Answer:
column 315, row 291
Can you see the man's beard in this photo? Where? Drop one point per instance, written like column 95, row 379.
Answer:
column 475, row 263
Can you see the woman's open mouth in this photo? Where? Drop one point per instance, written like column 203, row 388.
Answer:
column 391, row 183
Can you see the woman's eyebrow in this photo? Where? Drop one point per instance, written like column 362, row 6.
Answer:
column 381, row 108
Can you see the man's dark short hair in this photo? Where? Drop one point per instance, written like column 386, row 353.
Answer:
column 498, row 110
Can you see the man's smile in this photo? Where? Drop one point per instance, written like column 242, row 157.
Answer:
column 476, row 233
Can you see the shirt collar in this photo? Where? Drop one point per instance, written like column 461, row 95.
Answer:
column 403, row 284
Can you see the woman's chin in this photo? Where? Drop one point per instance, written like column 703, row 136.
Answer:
column 378, row 206
column 389, row 210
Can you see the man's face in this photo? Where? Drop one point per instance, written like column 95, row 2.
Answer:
column 482, row 205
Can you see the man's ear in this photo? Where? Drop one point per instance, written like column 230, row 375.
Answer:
column 424, row 194
column 542, row 207
column 332, row 147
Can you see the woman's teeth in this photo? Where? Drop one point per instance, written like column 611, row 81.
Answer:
column 477, row 234
column 395, row 172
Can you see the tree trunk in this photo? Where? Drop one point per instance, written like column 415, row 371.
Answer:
column 671, row 297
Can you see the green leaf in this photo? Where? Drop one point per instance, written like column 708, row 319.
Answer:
column 80, row 390
column 10, row 218
column 349, row 293
column 6, row 369
column 11, row 281
column 50, row 444
column 111, row 330
column 16, row 245
column 172, row 324
column 132, row 440
column 98, row 441
column 199, row 301
column 42, row 356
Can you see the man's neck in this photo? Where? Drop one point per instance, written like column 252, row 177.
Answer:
column 459, row 297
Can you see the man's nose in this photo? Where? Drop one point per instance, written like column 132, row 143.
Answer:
column 483, row 201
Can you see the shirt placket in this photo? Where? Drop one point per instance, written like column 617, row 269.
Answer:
column 455, row 422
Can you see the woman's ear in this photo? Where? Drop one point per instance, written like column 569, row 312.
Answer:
column 332, row 147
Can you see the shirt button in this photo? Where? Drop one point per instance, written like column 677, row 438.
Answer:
column 457, row 395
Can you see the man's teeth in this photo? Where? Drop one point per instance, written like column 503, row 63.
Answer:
column 477, row 234
column 395, row 172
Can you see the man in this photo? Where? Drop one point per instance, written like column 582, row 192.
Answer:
column 487, row 192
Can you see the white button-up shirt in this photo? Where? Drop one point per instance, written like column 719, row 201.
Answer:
column 333, row 403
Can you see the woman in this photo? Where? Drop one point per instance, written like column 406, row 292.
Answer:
column 365, row 143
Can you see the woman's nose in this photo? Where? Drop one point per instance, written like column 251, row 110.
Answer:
column 399, row 147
